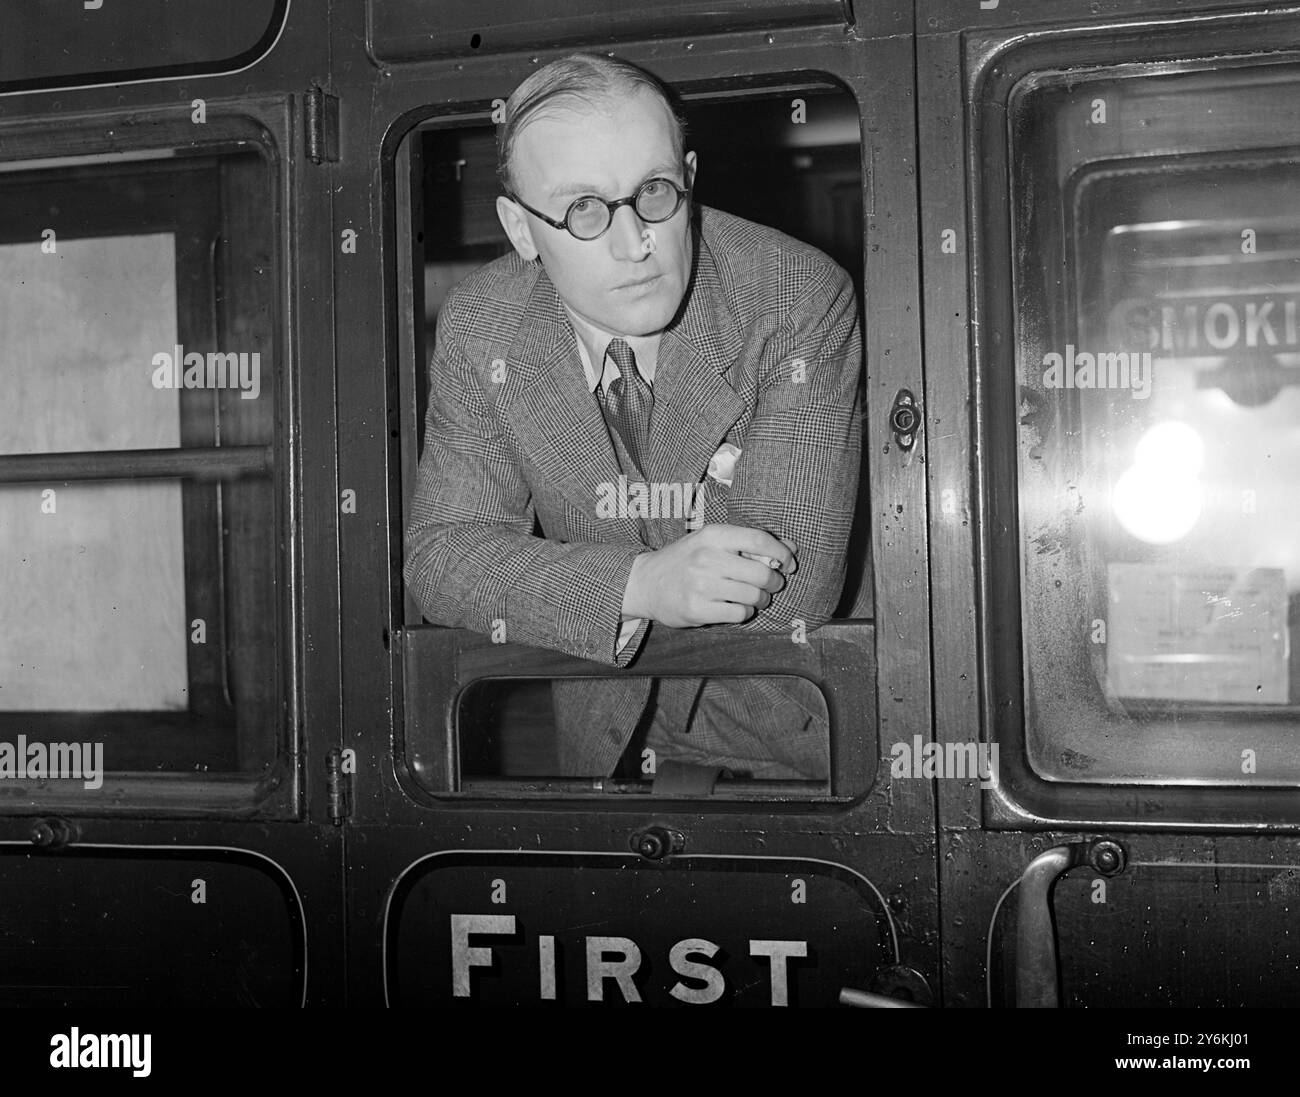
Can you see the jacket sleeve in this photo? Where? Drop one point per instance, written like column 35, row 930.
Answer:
column 797, row 475
column 472, row 560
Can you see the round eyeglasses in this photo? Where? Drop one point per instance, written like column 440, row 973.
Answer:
column 589, row 217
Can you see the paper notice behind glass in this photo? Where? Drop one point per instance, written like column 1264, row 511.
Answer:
column 1203, row 634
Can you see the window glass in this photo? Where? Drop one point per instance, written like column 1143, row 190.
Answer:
column 1157, row 287
column 107, row 565
column 137, row 506
column 789, row 161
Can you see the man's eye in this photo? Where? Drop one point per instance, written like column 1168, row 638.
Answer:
column 583, row 207
column 655, row 188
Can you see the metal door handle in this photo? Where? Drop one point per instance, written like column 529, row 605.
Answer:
column 1037, row 977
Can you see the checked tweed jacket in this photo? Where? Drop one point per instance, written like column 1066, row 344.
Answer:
column 765, row 354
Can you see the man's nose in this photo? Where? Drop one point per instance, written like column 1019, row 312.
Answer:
column 627, row 235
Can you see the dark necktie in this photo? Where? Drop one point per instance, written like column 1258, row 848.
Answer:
column 627, row 402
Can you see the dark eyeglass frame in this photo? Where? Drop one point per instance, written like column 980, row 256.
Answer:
column 611, row 207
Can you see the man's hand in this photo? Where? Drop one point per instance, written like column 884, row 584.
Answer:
column 717, row 575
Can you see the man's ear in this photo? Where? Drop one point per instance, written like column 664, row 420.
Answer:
column 691, row 162
column 511, row 216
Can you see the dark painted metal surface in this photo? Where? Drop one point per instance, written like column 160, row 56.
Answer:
column 1192, row 920
column 888, row 835
column 116, row 926
column 1152, row 950
column 1184, row 926
column 281, row 815
column 410, row 30
column 440, row 664
column 557, row 926
column 93, row 42
column 1023, row 798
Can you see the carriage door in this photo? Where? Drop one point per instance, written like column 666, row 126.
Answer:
column 1135, row 363
column 482, row 871
column 168, row 665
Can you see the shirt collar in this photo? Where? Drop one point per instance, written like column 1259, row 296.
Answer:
column 593, row 342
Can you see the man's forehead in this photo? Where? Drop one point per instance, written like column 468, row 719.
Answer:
column 636, row 102
column 574, row 135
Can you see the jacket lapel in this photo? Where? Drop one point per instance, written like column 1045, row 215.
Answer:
column 559, row 423
column 694, row 405
column 554, row 415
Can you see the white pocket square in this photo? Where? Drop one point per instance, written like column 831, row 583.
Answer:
column 722, row 465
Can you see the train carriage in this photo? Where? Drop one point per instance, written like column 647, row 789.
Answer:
column 237, row 766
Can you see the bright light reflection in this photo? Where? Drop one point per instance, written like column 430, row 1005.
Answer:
column 1174, row 446
column 1158, row 498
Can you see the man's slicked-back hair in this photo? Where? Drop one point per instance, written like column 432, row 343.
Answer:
column 581, row 80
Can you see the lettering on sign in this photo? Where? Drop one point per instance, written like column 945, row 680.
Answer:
column 612, row 964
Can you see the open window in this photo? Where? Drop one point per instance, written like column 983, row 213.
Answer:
column 139, row 503
column 480, row 718
column 1152, row 413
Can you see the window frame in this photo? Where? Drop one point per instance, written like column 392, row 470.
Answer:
column 854, row 766
column 164, row 143
column 1024, row 798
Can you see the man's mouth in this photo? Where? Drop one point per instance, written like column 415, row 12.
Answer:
column 640, row 283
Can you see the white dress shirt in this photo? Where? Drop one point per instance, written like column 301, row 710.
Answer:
column 593, row 344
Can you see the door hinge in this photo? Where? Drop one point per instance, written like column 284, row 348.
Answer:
column 338, row 785
column 321, row 118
